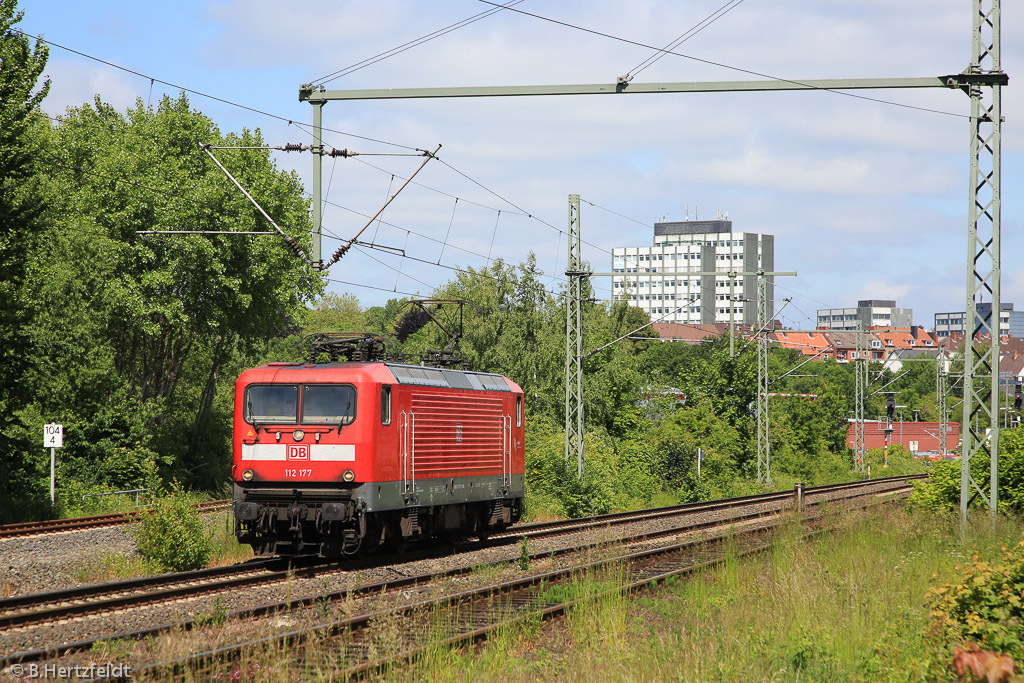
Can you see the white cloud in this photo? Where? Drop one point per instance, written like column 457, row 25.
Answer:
column 881, row 289
column 864, row 197
column 74, row 83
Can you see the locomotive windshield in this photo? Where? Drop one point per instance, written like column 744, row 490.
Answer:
column 271, row 404
column 328, row 404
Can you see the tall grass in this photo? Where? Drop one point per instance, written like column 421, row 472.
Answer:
column 847, row 606
column 843, row 606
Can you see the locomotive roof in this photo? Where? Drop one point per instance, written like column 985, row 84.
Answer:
column 443, row 377
column 411, row 374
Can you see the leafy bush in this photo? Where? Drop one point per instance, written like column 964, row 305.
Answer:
column 548, row 472
column 942, row 489
column 985, row 604
column 901, row 461
column 171, row 533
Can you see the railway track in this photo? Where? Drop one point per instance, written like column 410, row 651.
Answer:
column 24, row 611
column 51, row 526
column 351, row 646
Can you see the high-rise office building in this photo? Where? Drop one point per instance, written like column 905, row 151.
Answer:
column 665, row 279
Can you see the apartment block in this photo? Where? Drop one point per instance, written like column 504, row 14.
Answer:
column 686, row 274
column 869, row 312
column 1010, row 321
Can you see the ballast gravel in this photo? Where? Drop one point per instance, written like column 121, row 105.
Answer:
column 47, row 563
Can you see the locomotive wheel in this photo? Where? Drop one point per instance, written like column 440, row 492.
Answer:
column 394, row 540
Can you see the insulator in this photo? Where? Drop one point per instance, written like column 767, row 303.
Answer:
column 341, row 252
column 341, row 153
column 293, row 147
column 294, row 246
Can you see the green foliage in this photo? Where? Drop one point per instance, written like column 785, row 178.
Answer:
column 901, row 461
column 337, row 313
column 985, row 603
column 215, row 617
column 524, row 554
column 116, row 566
column 548, row 472
column 675, row 442
column 133, row 343
column 942, row 489
column 23, row 486
column 171, row 533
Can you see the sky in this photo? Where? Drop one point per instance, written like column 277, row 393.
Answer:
column 867, row 198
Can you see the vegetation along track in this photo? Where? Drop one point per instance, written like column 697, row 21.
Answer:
column 357, row 644
column 25, row 610
column 120, row 595
column 51, row 526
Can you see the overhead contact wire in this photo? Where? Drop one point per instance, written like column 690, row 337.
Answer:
column 416, row 42
column 203, row 94
column 709, row 62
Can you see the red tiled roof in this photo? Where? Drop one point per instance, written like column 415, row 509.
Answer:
column 807, row 343
column 689, row 332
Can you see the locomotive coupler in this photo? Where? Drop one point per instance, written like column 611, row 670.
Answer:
column 295, row 516
column 267, row 520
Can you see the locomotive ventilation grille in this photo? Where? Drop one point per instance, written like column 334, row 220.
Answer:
column 456, row 434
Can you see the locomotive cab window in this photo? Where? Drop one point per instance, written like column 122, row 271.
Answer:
column 271, row 403
column 328, row 404
column 385, row 405
column 519, row 410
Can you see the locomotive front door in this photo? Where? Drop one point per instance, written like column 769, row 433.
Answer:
column 408, row 453
column 506, row 456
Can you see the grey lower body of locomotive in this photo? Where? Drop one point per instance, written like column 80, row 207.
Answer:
column 332, row 519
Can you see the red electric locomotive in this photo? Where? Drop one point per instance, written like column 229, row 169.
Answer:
column 333, row 457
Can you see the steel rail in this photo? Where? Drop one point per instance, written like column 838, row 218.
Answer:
column 50, row 526
column 252, row 575
column 25, row 610
column 407, row 613
column 388, row 586
column 405, row 582
column 643, row 568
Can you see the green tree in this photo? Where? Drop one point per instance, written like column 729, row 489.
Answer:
column 337, row 313
column 21, row 207
column 151, row 332
column 942, row 489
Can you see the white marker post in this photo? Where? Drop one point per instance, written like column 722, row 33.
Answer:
column 53, row 438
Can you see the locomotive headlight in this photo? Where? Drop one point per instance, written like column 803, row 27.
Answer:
column 349, row 476
column 247, row 475
column 298, row 434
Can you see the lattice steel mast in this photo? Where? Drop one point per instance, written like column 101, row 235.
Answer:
column 764, row 315
column 981, row 364
column 574, row 341
column 860, row 371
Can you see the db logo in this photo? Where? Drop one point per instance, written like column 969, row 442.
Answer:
column 298, row 451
